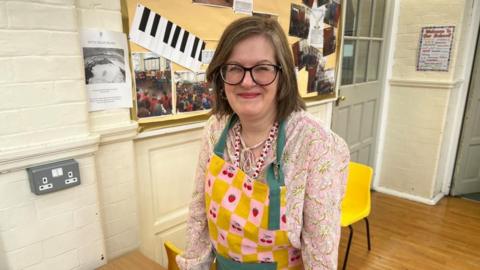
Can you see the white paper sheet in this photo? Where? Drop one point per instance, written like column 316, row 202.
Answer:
column 107, row 73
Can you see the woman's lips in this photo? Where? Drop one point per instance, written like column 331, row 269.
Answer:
column 249, row 95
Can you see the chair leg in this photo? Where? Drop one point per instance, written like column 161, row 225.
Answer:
column 348, row 247
column 368, row 233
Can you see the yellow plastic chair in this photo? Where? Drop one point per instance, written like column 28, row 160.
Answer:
column 172, row 252
column 356, row 203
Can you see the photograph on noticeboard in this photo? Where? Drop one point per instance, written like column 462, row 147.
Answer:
column 265, row 15
column 104, row 65
column 315, row 38
column 329, row 41
column 322, row 2
column 308, row 3
column 332, row 14
column 320, row 80
column 299, row 21
column 153, row 84
column 193, row 91
column 219, row 3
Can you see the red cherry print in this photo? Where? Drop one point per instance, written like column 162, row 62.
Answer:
column 224, row 172
column 255, row 212
column 262, row 240
column 245, row 185
column 231, row 198
column 284, row 219
column 230, row 174
column 249, row 187
column 214, row 215
column 269, row 241
column 209, row 182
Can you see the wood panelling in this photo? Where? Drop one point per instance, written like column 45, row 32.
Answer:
column 410, row 235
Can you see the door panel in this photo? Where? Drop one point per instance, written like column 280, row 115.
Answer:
column 466, row 177
column 355, row 120
column 355, row 117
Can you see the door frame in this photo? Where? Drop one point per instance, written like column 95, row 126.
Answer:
column 389, row 33
column 457, row 102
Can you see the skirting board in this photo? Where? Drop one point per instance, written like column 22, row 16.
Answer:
column 411, row 197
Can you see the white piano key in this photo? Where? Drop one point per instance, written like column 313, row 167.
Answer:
column 188, row 51
column 149, row 40
column 159, row 46
column 136, row 23
column 178, row 54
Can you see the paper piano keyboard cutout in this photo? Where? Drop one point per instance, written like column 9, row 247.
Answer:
column 159, row 35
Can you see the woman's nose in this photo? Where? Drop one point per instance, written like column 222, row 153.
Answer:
column 248, row 79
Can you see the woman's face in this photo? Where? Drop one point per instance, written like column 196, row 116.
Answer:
column 249, row 100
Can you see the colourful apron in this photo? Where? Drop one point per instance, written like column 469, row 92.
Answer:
column 246, row 218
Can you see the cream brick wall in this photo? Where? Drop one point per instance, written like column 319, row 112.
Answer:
column 54, row 231
column 413, row 16
column 418, row 102
column 44, row 117
column 115, row 160
column 118, row 197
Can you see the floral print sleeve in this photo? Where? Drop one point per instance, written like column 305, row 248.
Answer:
column 325, row 183
column 316, row 166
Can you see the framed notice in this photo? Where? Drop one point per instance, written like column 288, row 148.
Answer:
column 435, row 48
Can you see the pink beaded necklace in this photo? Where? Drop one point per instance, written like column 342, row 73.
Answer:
column 267, row 146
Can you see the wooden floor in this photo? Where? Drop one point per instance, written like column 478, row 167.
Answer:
column 410, row 235
column 131, row 261
column 405, row 235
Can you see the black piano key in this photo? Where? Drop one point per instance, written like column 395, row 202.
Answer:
column 144, row 20
column 184, row 41
column 194, row 50
column 175, row 36
column 167, row 31
column 156, row 20
column 200, row 54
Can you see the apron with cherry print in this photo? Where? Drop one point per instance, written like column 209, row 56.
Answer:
column 246, row 218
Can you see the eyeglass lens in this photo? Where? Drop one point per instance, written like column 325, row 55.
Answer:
column 263, row 74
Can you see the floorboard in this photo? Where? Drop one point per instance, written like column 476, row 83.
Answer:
column 410, row 235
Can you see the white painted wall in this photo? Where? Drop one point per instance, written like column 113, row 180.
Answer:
column 115, row 158
column 44, row 118
column 417, row 146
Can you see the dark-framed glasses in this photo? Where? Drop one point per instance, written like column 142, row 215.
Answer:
column 262, row 74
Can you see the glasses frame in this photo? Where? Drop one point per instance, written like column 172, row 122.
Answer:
column 245, row 69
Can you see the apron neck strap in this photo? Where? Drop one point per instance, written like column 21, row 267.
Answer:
column 276, row 167
column 222, row 141
column 274, row 172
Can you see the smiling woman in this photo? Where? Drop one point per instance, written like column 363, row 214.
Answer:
column 260, row 201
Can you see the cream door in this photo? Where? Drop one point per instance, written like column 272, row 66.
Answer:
column 466, row 177
column 356, row 112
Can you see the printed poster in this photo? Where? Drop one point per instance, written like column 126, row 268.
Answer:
column 107, row 74
column 435, row 48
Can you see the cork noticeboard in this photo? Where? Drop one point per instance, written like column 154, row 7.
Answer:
column 167, row 93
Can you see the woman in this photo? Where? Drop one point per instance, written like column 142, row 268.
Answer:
column 270, row 177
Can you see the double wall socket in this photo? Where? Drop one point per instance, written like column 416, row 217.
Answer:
column 53, row 176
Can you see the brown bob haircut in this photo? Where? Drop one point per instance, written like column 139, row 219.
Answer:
column 288, row 99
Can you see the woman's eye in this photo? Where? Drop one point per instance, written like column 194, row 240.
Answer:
column 235, row 69
column 263, row 68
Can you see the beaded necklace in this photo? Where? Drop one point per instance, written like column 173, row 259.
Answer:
column 267, row 146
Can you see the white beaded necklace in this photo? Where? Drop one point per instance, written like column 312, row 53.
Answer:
column 267, row 146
